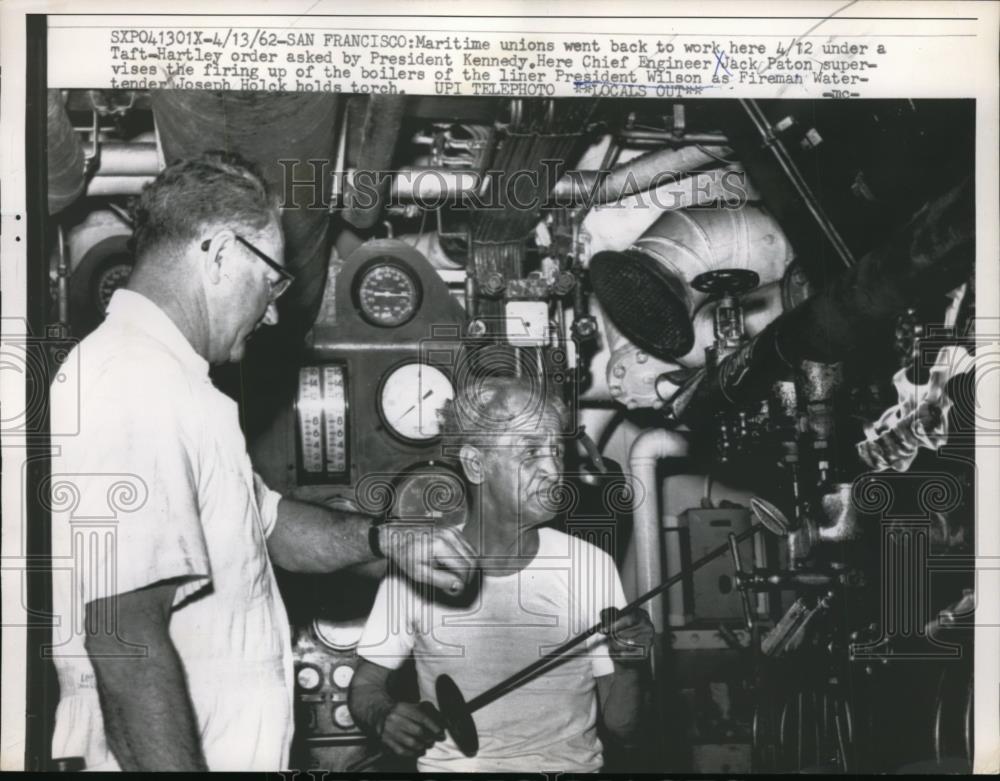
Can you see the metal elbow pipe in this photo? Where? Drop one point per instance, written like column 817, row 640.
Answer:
column 647, row 541
column 646, row 290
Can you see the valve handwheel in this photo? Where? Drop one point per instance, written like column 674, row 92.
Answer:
column 726, row 282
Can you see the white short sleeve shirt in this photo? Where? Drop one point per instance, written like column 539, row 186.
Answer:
column 549, row 724
column 157, row 485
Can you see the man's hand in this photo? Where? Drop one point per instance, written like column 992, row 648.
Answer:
column 438, row 555
column 409, row 730
column 631, row 637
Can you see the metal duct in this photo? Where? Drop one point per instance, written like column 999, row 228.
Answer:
column 932, row 254
column 65, row 156
column 383, row 119
column 265, row 128
column 646, row 289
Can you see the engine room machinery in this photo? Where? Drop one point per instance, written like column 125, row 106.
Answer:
column 759, row 313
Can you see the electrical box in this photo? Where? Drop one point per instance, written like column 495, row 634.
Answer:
column 711, row 590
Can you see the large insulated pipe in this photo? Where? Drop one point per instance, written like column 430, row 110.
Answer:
column 65, row 156
column 639, row 174
column 648, row 543
column 366, row 195
column 646, row 290
column 269, row 129
column 932, row 254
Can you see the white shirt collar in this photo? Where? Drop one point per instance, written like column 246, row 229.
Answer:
column 127, row 306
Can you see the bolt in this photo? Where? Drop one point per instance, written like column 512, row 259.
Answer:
column 618, row 371
column 641, row 357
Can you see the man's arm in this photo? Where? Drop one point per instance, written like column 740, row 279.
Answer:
column 620, row 697
column 620, row 694
column 148, row 717
column 404, row 728
column 313, row 538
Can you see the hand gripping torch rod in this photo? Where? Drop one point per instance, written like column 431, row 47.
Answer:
column 456, row 713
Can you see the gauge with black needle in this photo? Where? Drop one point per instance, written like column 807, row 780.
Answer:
column 410, row 398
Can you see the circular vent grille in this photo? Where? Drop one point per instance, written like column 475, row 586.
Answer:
column 644, row 301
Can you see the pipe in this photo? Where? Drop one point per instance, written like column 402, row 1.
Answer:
column 383, row 120
column 127, row 172
column 65, row 156
column 131, row 158
column 933, row 253
column 668, row 137
column 840, row 510
column 647, row 544
column 117, row 185
column 63, row 272
column 637, row 175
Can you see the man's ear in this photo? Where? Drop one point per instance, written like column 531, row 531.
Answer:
column 215, row 255
column 472, row 464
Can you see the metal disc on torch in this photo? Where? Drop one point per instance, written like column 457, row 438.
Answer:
column 457, row 715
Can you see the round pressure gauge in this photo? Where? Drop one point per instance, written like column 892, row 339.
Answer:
column 387, row 293
column 342, row 717
column 409, row 400
column 342, row 675
column 308, row 678
column 339, row 635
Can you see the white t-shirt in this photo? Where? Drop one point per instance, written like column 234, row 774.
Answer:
column 158, row 485
column 549, row 724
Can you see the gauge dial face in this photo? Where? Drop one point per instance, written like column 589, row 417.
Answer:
column 410, row 399
column 431, row 493
column 342, row 675
column 308, row 678
column 388, row 295
column 339, row 635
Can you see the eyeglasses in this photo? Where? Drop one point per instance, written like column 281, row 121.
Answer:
column 277, row 287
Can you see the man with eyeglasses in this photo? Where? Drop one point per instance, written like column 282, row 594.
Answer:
column 170, row 640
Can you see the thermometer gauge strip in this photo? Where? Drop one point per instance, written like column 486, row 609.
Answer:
column 322, row 411
column 409, row 398
column 387, row 293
